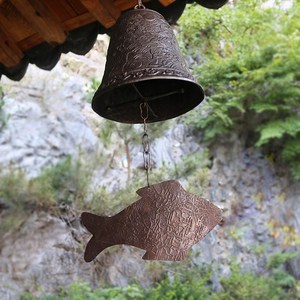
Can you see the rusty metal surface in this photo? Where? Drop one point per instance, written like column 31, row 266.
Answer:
column 144, row 64
column 165, row 222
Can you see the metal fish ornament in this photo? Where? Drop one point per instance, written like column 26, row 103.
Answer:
column 165, row 222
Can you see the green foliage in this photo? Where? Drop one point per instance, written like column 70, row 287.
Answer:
column 276, row 260
column 250, row 72
column 107, row 203
column 192, row 163
column 3, row 118
column 194, row 284
column 81, row 290
column 66, row 182
column 190, row 287
column 195, row 168
column 248, row 286
column 91, row 89
column 18, row 196
column 129, row 135
column 129, row 292
column 104, row 202
column 63, row 183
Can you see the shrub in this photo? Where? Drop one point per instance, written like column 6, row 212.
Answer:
column 3, row 117
column 189, row 287
column 248, row 286
column 251, row 79
column 64, row 183
column 193, row 284
column 91, row 89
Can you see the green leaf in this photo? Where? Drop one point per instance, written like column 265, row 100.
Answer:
column 291, row 150
column 252, row 77
column 268, row 132
column 262, row 107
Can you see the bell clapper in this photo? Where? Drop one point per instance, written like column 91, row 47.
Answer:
column 181, row 91
column 149, row 99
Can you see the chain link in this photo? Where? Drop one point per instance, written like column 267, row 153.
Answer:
column 144, row 108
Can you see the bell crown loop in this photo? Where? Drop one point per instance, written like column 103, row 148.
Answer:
column 144, row 64
column 140, row 5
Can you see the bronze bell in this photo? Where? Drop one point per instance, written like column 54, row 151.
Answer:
column 144, row 64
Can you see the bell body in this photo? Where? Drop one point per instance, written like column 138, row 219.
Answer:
column 144, row 64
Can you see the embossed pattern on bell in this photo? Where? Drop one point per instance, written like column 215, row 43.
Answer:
column 143, row 50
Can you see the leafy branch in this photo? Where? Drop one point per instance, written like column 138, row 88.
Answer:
column 252, row 80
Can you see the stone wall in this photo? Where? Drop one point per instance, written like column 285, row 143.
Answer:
column 49, row 118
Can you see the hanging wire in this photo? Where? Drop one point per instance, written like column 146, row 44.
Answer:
column 144, row 109
column 140, row 5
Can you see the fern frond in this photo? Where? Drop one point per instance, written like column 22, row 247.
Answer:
column 269, row 131
column 295, row 169
column 277, row 129
column 262, row 107
column 291, row 150
column 291, row 125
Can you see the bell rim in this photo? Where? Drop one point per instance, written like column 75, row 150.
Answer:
column 106, row 89
column 100, row 92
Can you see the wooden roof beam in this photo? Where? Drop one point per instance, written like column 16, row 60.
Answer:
column 103, row 10
column 166, row 2
column 13, row 23
column 41, row 19
column 127, row 4
column 10, row 54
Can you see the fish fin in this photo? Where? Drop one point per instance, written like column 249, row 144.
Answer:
column 92, row 222
column 92, row 249
column 158, row 188
column 97, row 226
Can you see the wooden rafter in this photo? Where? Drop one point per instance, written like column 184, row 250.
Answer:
column 25, row 24
column 27, row 43
column 79, row 21
column 13, row 23
column 103, row 10
column 10, row 54
column 126, row 4
column 166, row 2
column 41, row 19
column 77, row 6
column 62, row 9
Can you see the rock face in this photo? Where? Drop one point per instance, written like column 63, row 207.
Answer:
column 48, row 254
column 45, row 120
column 49, row 119
column 258, row 207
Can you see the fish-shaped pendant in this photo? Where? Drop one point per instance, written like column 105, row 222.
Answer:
column 165, row 222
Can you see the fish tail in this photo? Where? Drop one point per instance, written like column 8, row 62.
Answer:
column 92, row 222
column 95, row 225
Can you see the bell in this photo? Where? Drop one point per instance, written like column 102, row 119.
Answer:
column 144, row 65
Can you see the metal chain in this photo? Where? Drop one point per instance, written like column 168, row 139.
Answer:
column 140, row 5
column 144, row 108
